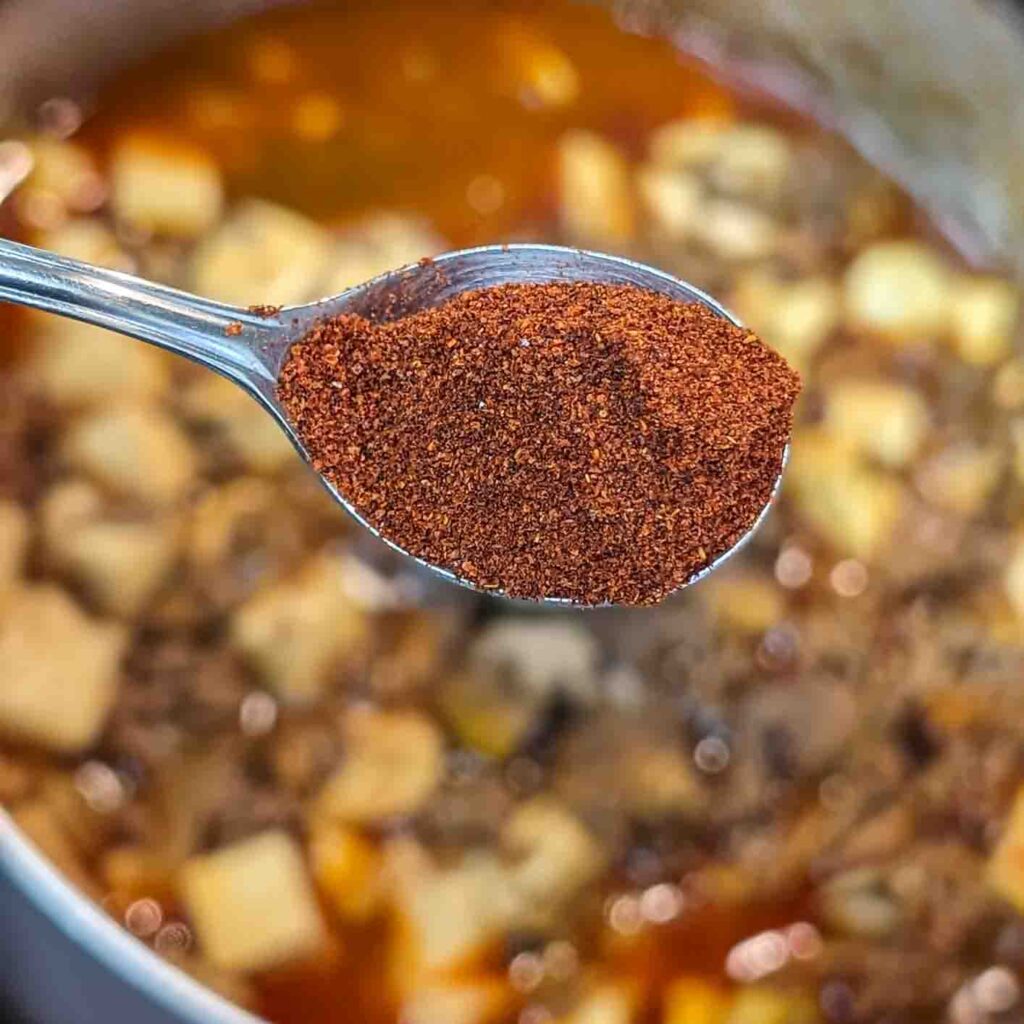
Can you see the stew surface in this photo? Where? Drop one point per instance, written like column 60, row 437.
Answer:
column 335, row 791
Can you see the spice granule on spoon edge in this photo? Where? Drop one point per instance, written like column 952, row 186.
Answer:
column 597, row 443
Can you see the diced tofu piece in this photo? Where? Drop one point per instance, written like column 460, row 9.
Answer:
column 1013, row 577
column 470, row 1001
column 962, row 477
column 761, row 1004
column 381, row 243
column 884, row 421
column 252, row 903
column 854, row 506
column 538, row 68
column 753, row 160
column 687, row 143
column 66, row 170
column 554, row 856
column 984, row 312
column 136, row 452
column 746, row 603
column 347, row 869
column 85, row 239
column 1005, row 870
column 795, row 318
column 79, row 365
column 225, row 517
column 606, row 1002
column 263, row 253
column 298, row 631
column 58, row 669
column 673, row 199
column 253, row 436
column 900, row 291
column 165, row 186
column 120, row 562
column 393, row 761
column 14, row 534
column 694, row 1001
column 595, row 190
column 541, row 656
column 447, row 918
column 735, row 231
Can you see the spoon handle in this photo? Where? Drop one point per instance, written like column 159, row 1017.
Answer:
column 224, row 338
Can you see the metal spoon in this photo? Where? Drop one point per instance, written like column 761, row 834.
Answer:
column 249, row 347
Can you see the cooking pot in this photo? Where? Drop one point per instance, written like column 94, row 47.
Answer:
column 928, row 89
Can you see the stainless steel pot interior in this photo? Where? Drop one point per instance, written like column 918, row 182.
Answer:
column 927, row 88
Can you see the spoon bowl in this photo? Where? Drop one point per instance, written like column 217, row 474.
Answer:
column 250, row 346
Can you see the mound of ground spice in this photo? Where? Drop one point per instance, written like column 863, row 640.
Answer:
column 591, row 442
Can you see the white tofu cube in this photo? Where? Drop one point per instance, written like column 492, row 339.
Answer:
column 962, row 477
column 165, row 186
column 136, row 452
column 298, row 631
column 752, row 160
column 900, row 291
column 394, row 760
column 736, row 231
column 78, row 365
column 853, row 505
column 447, row 918
column 672, row 198
column 252, row 903
column 120, row 562
column 595, row 190
column 67, row 171
column 380, row 243
column 687, row 143
column 14, row 535
column 553, row 854
column 984, row 313
column 462, row 1001
column 85, row 238
column 58, row 669
column 253, row 435
column 223, row 517
column 795, row 318
column 884, row 421
column 263, row 253
column 541, row 656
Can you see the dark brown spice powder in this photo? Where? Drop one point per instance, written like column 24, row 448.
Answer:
column 591, row 442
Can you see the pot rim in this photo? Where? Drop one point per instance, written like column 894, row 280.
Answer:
column 97, row 934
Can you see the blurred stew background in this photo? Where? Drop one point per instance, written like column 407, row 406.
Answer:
column 328, row 789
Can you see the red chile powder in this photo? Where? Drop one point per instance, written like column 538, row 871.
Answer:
column 592, row 442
